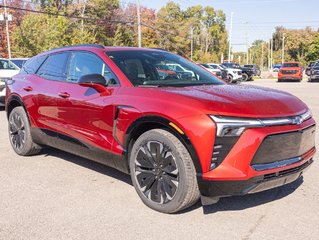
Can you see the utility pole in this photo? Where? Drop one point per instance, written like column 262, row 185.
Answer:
column 262, row 57
column 192, row 42
column 82, row 16
column 6, row 16
column 272, row 51
column 139, row 29
column 268, row 55
column 246, row 37
column 230, row 35
column 283, row 49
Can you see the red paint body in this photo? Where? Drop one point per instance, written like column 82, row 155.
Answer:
column 64, row 108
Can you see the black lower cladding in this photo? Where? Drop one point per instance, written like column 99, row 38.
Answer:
column 252, row 185
column 79, row 148
column 2, row 99
column 279, row 147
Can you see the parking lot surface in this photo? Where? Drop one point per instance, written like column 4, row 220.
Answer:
column 56, row 195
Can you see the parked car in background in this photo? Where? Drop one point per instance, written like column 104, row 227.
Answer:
column 215, row 71
column 180, row 69
column 308, row 69
column 164, row 72
column 7, row 70
column 247, row 73
column 234, row 75
column 19, row 61
column 254, row 67
column 314, row 72
column 179, row 139
column 276, row 67
column 224, row 72
column 290, row 71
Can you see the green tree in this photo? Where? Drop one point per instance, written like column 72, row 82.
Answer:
column 39, row 33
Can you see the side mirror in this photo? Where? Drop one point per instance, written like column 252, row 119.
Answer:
column 96, row 81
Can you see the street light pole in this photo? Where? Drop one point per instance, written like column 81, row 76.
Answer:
column 7, row 27
column 283, row 49
column 139, row 30
column 230, row 35
column 192, row 42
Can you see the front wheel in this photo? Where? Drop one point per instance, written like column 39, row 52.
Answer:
column 163, row 172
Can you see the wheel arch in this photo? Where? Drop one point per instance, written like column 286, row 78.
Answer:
column 13, row 102
column 146, row 123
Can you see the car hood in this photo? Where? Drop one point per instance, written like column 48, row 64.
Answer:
column 8, row 73
column 241, row 100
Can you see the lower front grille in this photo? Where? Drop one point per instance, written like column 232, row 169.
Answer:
column 288, row 71
column 288, row 171
column 279, row 147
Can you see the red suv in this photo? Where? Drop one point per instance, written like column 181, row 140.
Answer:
column 180, row 138
column 290, row 71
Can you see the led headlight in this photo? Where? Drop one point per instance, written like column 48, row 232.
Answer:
column 232, row 126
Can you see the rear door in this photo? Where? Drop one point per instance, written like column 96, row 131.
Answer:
column 47, row 82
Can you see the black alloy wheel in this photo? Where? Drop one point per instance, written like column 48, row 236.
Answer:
column 156, row 172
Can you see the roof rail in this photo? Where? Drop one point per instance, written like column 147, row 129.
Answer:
column 88, row 45
column 78, row 45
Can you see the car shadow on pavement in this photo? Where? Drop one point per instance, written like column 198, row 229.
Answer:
column 252, row 200
column 83, row 162
column 235, row 203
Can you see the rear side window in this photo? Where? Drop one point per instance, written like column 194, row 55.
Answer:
column 54, row 67
column 33, row 64
column 83, row 63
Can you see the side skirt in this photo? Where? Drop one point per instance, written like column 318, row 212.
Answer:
column 79, row 148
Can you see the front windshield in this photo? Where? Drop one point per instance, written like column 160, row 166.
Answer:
column 290, row 65
column 7, row 65
column 150, row 68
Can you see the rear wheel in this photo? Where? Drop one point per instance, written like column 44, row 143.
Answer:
column 244, row 77
column 20, row 135
column 162, row 172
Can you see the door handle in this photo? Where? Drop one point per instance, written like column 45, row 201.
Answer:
column 64, row 95
column 28, row 88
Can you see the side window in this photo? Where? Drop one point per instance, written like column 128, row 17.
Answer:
column 83, row 63
column 33, row 64
column 54, row 67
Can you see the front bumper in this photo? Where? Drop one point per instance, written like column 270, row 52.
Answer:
column 247, row 167
column 314, row 77
column 253, row 185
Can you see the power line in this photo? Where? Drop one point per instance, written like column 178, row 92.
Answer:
column 66, row 16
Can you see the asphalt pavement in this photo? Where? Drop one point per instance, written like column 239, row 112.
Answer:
column 56, row 195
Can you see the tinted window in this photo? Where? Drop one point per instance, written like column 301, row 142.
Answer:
column 290, row 65
column 143, row 68
column 19, row 62
column 54, row 67
column 7, row 65
column 83, row 63
column 33, row 64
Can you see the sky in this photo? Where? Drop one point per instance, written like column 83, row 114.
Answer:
column 256, row 17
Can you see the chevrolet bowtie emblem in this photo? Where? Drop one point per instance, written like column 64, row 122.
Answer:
column 296, row 120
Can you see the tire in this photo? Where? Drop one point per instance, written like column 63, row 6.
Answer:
column 165, row 184
column 279, row 80
column 19, row 133
column 230, row 78
column 244, row 77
